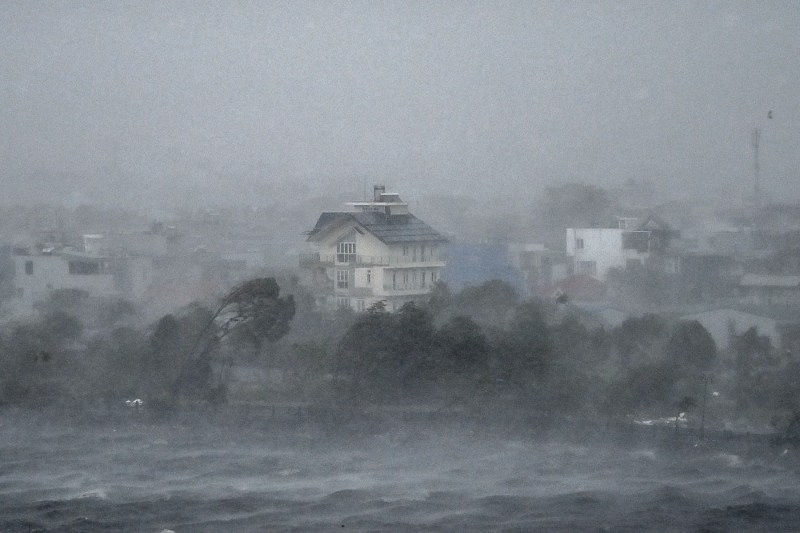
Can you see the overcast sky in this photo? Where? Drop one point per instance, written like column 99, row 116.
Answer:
column 134, row 102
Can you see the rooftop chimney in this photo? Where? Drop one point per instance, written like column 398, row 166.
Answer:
column 378, row 190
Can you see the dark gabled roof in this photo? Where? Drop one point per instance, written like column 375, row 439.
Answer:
column 392, row 229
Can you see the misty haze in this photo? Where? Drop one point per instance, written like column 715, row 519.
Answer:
column 399, row 266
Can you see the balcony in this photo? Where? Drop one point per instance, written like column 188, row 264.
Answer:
column 314, row 259
column 406, row 288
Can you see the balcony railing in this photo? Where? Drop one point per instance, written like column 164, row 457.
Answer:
column 369, row 260
column 407, row 287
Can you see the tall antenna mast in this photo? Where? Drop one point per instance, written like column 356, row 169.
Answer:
column 756, row 169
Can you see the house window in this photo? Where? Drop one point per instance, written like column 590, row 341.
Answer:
column 579, row 244
column 423, row 278
column 345, row 252
column 422, row 253
column 633, row 264
column 433, row 276
column 405, row 278
column 342, row 279
column 369, row 277
column 587, row 267
column 84, row 267
column 29, row 267
column 361, row 306
column 405, row 250
column 343, row 303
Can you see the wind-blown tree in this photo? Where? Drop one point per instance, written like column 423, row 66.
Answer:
column 35, row 359
column 255, row 308
column 440, row 298
column 463, row 347
column 574, row 378
column 166, row 365
column 413, row 334
column 112, row 362
column 365, row 355
column 637, row 338
column 488, row 304
column 691, row 345
column 657, row 382
column 571, row 205
column 525, row 351
column 755, row 370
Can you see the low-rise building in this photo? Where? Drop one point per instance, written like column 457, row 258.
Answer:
column 41, row 271
column 770, row 290
column 629, row 243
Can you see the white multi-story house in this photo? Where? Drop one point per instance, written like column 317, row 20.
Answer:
column 378, row 251
column 632, row 242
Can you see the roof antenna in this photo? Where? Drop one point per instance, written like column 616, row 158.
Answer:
column 756, row 169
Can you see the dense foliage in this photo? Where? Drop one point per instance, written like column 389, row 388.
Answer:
column 480, row 348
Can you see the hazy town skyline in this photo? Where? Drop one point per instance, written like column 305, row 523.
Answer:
column 147, row 103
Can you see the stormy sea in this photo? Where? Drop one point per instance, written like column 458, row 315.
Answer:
column 250, row 470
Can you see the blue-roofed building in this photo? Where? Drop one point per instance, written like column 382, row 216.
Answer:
column 378, row 251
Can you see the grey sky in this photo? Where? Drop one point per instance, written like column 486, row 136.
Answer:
column 146, row 102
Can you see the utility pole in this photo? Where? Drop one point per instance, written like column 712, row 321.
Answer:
column 706, row 380
column 756, row 172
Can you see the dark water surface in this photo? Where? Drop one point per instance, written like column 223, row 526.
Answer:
column 132, row 472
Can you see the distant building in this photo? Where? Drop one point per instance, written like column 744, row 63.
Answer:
column 724, row 324
column 770, row 290
column 541, row 267
column 378, row 251
column 630, row 243
column 471, row 264
column 41, row 271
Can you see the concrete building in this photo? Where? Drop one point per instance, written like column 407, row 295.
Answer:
column 630, row 243
column 39, row 272
column 378, row 251
column 770, row 290
column 725, row 323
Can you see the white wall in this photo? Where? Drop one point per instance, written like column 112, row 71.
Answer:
column 601, row 245
column 51, row 272
column 604, row 246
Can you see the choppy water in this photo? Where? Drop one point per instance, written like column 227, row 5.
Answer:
column 210, row 474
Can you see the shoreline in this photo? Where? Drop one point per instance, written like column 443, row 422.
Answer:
column 338, row 423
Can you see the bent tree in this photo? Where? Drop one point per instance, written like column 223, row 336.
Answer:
column 254, row 309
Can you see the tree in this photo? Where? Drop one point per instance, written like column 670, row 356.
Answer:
column 71, row 301
column 756, row 368
column 35, row 362
column 256, row 307
column 489, row 304
column 365, row 354
column 525, row 351
column 463, row 346
column 636, row 338
column 439, row 298
column 573, row 205
column 111, row 311
column 691, row 345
